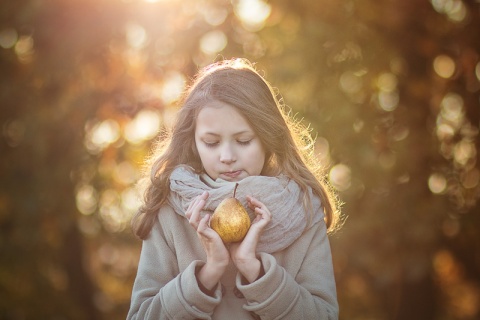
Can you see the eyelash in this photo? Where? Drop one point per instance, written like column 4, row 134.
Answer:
column 214, row 144
column 211, row 145
column 244, row 143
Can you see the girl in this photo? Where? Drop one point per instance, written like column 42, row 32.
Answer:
column 231, row 129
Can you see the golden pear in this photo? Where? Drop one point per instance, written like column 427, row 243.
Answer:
column 230, row 220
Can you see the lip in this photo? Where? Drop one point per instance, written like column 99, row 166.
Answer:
column 232, row 174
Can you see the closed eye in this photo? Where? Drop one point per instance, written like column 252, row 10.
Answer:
column 244, row 142
column 210, row 144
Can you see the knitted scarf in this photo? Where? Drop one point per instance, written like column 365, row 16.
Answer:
column 280, row 194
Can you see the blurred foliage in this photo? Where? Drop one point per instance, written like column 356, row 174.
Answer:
column 391, row 89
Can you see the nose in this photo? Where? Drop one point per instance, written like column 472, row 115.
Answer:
column 227, row 154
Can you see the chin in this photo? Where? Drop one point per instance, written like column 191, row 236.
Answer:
column 233, row 179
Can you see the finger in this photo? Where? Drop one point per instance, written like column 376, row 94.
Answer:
column 262, row 218
column 194, row 209
column 253, row 202
column 203, row 224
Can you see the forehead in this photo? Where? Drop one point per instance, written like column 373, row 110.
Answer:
column 221, row 118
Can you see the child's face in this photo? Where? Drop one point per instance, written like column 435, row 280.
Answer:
column 228, row 147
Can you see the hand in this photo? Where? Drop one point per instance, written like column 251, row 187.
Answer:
column 244, row 253
column 217, row 254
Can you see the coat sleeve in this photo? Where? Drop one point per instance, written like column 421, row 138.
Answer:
column 161, row 291
column 310, row 294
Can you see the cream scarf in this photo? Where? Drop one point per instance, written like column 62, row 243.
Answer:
column 282, row 196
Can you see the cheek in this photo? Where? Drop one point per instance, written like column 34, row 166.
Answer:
column 206, row 155
column 256, row 158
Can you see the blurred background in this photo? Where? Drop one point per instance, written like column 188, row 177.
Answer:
column 391, row 90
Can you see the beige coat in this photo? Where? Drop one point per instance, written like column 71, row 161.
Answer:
column 298, row 281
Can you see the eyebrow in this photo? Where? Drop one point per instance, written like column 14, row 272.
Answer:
column 235, row 134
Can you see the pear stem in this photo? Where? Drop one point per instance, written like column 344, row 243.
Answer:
column 235, row 190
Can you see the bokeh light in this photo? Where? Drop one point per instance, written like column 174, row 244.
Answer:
column 24, row 49
column 173, row 87
column 213, row 42
column 144, row 126
column 100, row 135
column 252, row 13
column 387, row 82
column 8, row 38
column 136, row 35
column 464, row 151
column 388, row 101
column 340, row 177
column 86, row 197
column 455, row 10
column 388, row 97
column 14, row 132
column 452, row 111
column 437, row 183
column 351, row 82
column 444, row 66
column 213, row 15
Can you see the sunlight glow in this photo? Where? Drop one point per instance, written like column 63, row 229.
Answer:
column 101, row 135
column 124, row 173
column 322, row 149
column 143, row 127
column 109, row 197
column 252, row 13
column 254, row 45
column 214, row 15
column 136, row 35
column 114, row 218
column 173, row 87
column 130, row 200
column 213, row 42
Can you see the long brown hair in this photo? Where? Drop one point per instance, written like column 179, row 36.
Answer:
column 288, row 144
